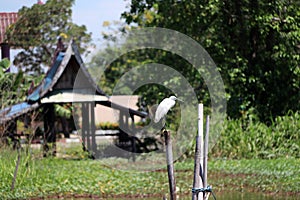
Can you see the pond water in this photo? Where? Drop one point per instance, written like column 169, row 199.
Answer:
column 234, row 195
column 231, row 195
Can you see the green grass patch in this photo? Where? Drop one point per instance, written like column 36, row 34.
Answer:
column 46, row 177
column 40, row 177
column 271, row 176
column 275, row 175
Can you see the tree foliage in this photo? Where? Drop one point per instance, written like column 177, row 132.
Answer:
column 14, row 86
column 36, row 32
column 255, row 45
column 144, row 64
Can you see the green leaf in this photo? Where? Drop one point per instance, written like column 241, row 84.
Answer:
column 4, row 63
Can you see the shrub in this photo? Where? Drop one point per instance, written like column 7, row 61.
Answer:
column 107, row 126
column 258, row 140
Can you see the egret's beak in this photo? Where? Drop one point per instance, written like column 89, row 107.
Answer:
column 179, row 100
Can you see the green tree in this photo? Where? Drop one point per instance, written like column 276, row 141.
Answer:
column 14, row 86
column 36, row 32
column 255, row 45
column 121, row 61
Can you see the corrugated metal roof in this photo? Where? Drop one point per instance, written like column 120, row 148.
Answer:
column 6, row 19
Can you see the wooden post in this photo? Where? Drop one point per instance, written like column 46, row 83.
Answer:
column 11, row 132
column 93, row 128
column 84, row 126
column 133, row 138
column 122, row 135
column 170, row 165
column 205, row 152
column 87, row 126
column 5, row 51
column 49, row 129
column 82, row 130
column 198, row 172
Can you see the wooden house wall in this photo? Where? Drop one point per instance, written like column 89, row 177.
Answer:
column 72, row 77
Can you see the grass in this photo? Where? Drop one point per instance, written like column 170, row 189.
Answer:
column 39, row 177
column 278, row 176
column 44, row 177
column 275, row 175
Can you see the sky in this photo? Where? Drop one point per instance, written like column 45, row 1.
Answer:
column 91, row 13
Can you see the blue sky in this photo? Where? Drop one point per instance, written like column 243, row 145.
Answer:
column 91, row 13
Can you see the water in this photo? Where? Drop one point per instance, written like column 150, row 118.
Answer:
column 249, row 196
column 230, row 195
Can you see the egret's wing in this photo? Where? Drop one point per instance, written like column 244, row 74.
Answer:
column 160, row 113
column 162, row 109
column 152, row 111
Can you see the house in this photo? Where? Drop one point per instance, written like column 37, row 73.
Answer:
column 68, row 81
column 112, row 115
column 6, row 19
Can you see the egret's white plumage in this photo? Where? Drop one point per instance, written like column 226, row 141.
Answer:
column 164, row 107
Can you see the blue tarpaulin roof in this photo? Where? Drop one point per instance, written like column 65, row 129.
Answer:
column 16, row 110
column 21, row 108
column 35, row 95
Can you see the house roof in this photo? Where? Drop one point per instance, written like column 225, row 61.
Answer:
column 40, row 2
column 60, row 65
column 74, row 96
column 6, row 19
column 16, row 110
column 58, row 87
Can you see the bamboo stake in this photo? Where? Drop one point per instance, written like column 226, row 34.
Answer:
column 206, row 195
column 205, row 153
column 200, row 134
column 197, row 179
column 198, row 182
column 170, row 165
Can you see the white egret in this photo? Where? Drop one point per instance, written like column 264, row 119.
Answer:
column 164, row 107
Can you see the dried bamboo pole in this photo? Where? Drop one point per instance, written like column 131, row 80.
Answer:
column 170, row 165
column 205, row 152
column 205, row 155
column 198, row 182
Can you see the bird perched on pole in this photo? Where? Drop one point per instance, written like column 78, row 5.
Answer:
column 164, row 107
